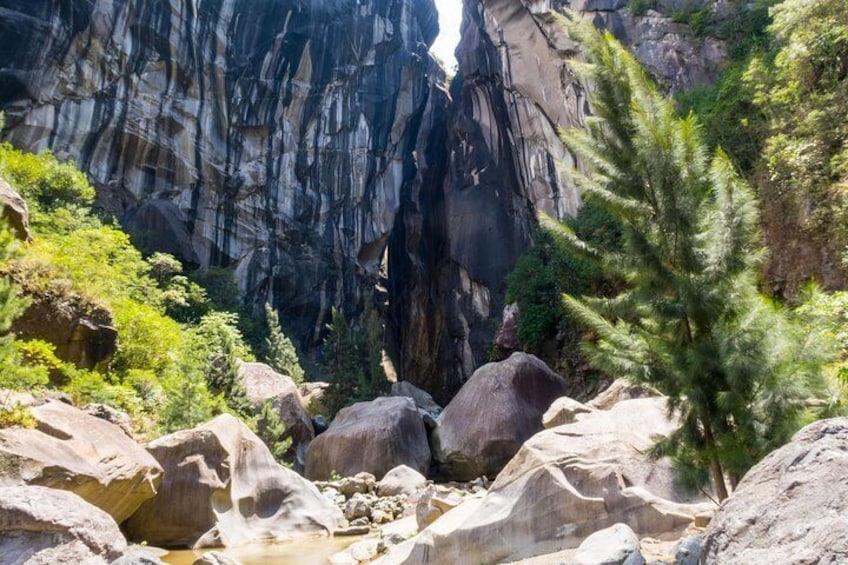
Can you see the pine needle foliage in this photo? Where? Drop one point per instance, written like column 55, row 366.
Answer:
column 281, row 354
column 690, row 321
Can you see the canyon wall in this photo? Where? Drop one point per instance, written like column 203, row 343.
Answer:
column 270, row 137
column 312, row 146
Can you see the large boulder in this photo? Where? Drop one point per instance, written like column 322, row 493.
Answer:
column 263, row 384
column 40, row 525
column 792, row 507
column 81, row 331
column 223, row 487
column 14, row 211
column 77, row 452
column 374, row 437
column 496, row 411
column 563, row 485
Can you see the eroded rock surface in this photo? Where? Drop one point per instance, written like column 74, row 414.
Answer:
column 275, row 138
column 373, row 437
column 497, row 410
column 222, row 487
column 89, row 456
column 563, row 485
column 41, row 526
column 789, row 508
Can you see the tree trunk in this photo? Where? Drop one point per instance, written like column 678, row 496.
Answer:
column 715, row 464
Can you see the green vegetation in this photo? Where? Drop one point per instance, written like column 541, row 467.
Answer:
column 352, row 356
column 175, row 365
column 689, row 320
column 281, row 354
column 271, row 430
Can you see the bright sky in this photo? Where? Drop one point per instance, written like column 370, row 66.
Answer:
column 450, row 16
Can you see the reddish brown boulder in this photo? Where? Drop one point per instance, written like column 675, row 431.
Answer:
column 498, row 409
column 374, row 437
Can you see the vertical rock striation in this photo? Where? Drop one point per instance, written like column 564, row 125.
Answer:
column 273, row 137
column 312, row 146
column 495, row 162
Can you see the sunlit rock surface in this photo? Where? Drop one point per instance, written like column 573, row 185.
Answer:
column 274, row 137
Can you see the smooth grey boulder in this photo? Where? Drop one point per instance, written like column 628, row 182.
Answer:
column 496, row 411
column 77, row 452
column 222, row 487
column 44, row 526
column 611, row 546
column 372, row 437
column 790, row 507
column 401, row 480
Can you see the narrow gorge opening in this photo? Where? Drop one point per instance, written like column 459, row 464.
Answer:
column 450, row 19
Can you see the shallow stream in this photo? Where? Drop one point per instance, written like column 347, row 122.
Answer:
column 309, row 551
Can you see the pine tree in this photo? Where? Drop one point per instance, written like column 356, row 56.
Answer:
column 690, row 321
column 281, row 353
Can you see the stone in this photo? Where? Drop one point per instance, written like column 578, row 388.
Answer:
column 563, row 485
column 82, row 332
column 619, row 390
column 357, row 507
column 703, row 519
column 222, row 487
column 313, row 398
column 215, row 558
column 688, row 550
column 73, row 451
column 401, row 480
column 365, row 550
column 790, row 507
column 359, row 530
column 435, row 501
column 611, row 546
column 139, row 555
column 635, row 558
column 262, row 384
column 423, row 401
column 564, row 410
column 40, row 525
column 111, row 415
column 507, row 336
column 373, row 437
column 14, row 211
column 496, row 411
column 360, row 483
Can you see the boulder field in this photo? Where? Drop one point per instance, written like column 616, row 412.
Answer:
column 581, row 492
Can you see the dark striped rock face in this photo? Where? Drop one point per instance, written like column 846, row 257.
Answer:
column 311, row 145
column 270, row 136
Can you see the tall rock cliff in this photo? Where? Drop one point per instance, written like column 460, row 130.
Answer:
column 271, row 137
column 502, row 162
column 311, row 146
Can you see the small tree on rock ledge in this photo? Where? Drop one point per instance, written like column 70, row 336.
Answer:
column 691, row 322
